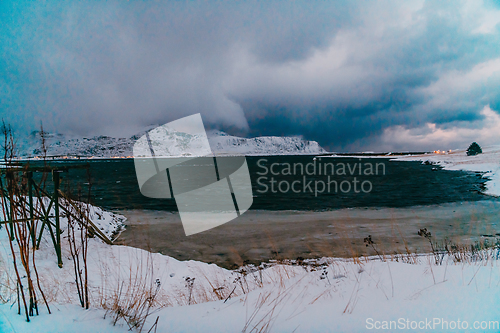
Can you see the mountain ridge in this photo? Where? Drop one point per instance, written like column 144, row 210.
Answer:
column 221, row 143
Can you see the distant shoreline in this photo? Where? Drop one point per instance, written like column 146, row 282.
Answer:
column 330, row 154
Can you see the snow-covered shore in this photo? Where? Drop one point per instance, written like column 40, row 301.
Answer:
column 488, row 163
column 337, row 297
column 327, row 295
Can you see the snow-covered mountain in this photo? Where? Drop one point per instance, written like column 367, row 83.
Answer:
column 220, row 143
column 59, row 145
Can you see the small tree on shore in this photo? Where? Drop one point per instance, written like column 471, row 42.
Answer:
column 474, row 149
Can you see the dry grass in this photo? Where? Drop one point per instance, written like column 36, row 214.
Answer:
column 268, row 306
column 131, row 294
column 132, row 298
column 7, row 284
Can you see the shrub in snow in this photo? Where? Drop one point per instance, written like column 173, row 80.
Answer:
column 474, row 149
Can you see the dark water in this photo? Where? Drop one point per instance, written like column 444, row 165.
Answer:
column 397, row 184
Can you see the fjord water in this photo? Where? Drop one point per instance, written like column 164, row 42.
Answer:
column 406, row 197
column 403, row 184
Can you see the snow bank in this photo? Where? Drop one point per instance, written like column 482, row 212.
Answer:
column 345, row 299
column 338, row 296
column 488, row 162
column 109, row 223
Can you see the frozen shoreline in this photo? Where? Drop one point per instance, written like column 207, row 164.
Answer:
column 488, row 163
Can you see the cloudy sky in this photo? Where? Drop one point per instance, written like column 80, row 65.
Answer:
column 384, row 75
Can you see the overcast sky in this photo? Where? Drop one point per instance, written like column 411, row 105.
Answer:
column 384, row 75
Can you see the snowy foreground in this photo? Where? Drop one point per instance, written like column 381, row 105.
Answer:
column 329, row 295
column 487, row 162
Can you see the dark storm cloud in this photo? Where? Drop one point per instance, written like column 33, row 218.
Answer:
column 88, row 68
column 386, row 79
column 338, row 73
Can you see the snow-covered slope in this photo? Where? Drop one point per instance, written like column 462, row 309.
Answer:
column 220, row 142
